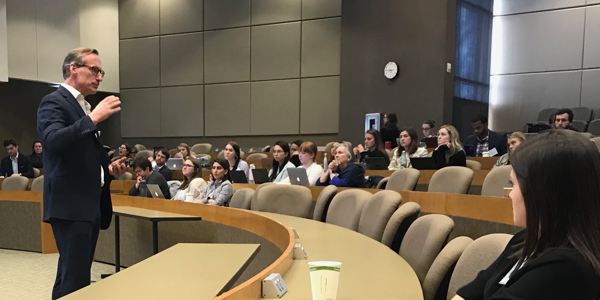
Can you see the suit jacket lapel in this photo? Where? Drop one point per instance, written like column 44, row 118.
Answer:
column 71, row 100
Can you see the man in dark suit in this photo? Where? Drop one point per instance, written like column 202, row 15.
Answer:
column 483, row 139
column 15, row 162
column 76, row 168
column 161, row 155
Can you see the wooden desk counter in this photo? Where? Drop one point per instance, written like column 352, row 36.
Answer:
column 184, row 271
column 370, row 270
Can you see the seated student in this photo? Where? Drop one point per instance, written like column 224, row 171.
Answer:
column 37, row 157
column 449, row 151
column 161, row 155
column 389, row 130
column 144, row 176
column 372, row 147
column 409, row 147
column 514, row 140
column 15, row 162
column 562, row 119
column 183, row 151
column 294, row 152
column 341, row 171
column 219, row 190
column 233, row 156
column 193, row 184
column 124, row 151
column 307, row 153
column 483, row 139
column 428, row 129
column 555, row 188
column 281, row 161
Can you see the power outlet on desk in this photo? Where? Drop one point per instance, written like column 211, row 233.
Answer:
column 273, row 286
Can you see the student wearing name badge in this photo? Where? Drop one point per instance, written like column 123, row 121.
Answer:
column 555, row 188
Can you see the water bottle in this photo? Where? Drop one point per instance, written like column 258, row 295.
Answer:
column 325, row 161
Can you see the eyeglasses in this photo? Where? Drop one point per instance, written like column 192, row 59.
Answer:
column 95, row 70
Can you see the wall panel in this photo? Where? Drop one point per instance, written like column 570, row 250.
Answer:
column 272, row 11
column 227, row 55
column 138, row 18
column 321, row 47
column 590, row 89
column 139, row 62
column 517, row 99
column 226, row 13
column 320, row 105
column 503, row 7
column 21, row 20
column 181, row 16
column 591, row 52
column 275, row 107
column 321, row 9
column 544, row 41
column 182, row 111
column 181, row 59
column 276, row 51
column 140, row 115
column 227, row 108
column 3, row 39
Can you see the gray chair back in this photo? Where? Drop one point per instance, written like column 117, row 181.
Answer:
column 435, row 285
column 323, row 202
column 242, row 198
column 546, row 113
column 15, row 183
column 476, row 257
column 293, row 200
column 473, row 164
column 399, row 223
column 37, row 185
column 580, row 125
column 495, row 181
column 403, row 180
column 424, row 240
column 201, row 148
column 582, row 113
column 346, row 207
column 377, row 212
column 452, row 179
column 594, row 127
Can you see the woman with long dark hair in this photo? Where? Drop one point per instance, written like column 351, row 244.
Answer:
column 409, row 147
column 389, row 130
column 372, row 147
column 233, row 156
column 556, row 183
column 219, row 190
column 281, row 161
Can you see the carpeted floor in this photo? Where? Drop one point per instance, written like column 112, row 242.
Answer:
column 30, row 275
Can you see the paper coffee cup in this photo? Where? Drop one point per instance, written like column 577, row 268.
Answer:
column 324, row 279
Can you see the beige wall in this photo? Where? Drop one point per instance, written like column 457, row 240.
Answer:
column 40, row 33
column 220, row 68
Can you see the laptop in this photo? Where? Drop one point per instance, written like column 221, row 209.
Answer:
column 298, row 176
column 376, row 163
column 238, row 176
column 423, row 163
column 155, row 191
column 175, row 163
column 430, row 142
column 260, row 175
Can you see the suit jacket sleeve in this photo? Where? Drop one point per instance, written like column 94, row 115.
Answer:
column 25, row 167
column 56, row 134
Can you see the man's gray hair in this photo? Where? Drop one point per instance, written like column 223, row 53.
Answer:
column 75, row 56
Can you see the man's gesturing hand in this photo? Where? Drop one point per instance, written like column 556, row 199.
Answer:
column 106, row 108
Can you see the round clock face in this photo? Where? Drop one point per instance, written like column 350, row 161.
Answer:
column 391, row 70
